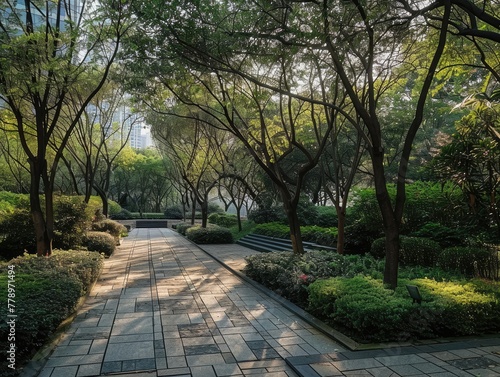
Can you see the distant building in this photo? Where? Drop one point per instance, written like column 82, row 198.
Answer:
column 140, row 137
column 69, row 9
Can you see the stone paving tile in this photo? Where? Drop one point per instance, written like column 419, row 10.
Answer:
column 164, row 307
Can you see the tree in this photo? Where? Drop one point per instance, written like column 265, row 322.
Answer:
column 356, row 49
column 191, row 146
column 99, row 136
column 46, row 53
column 472, row 159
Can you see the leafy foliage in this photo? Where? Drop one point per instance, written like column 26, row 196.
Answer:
column 17, row 234
column 288, row 274
column 123, row 214
column 112, row 227
column 71, row 222
column 101, row 242
column 223, row 219
column 210, row 235
column 312, row 233
column 370, row 312
column 442, row 234
column 414, row 251
column 174, row 212
column 182, row 228
column 471, row 261
column 266, row 215
column 47, row 291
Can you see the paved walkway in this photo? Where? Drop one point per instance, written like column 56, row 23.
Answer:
column 164, row 307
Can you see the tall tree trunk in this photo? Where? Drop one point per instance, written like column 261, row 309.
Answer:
column 204, row 212
column 294, row 223
column 238, row 217
column 43, row 240
column 340, row 229
column 104, row 199
column 390, row 222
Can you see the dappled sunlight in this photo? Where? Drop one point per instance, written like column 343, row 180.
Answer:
column 452, row 291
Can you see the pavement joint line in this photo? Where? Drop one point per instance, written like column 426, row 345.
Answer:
column 193, row 269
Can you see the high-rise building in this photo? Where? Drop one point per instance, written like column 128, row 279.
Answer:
column 18, row 14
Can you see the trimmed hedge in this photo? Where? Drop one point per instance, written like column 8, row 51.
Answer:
column 369, row 312
column 112, row 227
column 472, row 261
column 174, row 212
column 414, row 251
column 223, row 219
column 288, row 274
column 181, row 228
column 210, row 235
column 445, row 236
column 47, row 291
column 310, row 233
column 101, row 242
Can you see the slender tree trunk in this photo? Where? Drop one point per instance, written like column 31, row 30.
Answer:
column 340, row 229
column 390, row 223
column 238, row 217
column 104, row 199
column 43, row 240
column 294, row 223
column 204, row 212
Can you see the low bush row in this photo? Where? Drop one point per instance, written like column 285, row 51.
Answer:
column 73, row 220
column 366, row 310
column 212, row 234
column 310, row 233
column 223, row 219
column 46, row 293
column 347, row 292
column 480, row 260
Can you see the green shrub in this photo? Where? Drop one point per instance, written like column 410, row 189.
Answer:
column 17, row 234
column 319, row 235
column 326, row 216
column 122, row 215
column 445, row 236
column 183, row 227
column 273, row 229
column 471, row 261
column 101, row 242
column 359, row 237
column 112, row 227
column 42, row 303
column 47, row 291
column 209, row 235
column 461, row 307
column 86, row 266
column 362, row 306
column 417, row 251
column 71, row 220
column 10, row 201
column 366, row 310
column 310, row 233
column 266, row 215
column 414, row 251
column 288, row 274
column 223, row 219
column 174, row 212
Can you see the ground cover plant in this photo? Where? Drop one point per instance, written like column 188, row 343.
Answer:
column 347, row 292
column 47, row 291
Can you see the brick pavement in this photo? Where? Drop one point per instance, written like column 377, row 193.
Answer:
column 164, row 307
